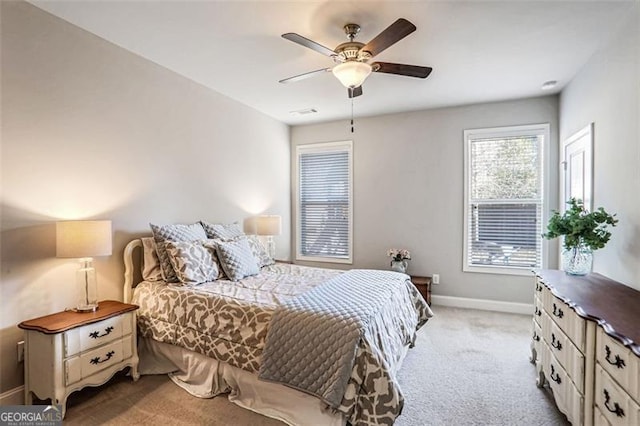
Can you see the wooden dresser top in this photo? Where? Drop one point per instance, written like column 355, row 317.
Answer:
column 614, row 306
column 66, row 320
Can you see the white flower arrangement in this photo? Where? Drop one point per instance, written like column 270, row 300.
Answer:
column 399, row 254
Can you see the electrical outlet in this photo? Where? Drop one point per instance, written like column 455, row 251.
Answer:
column 435, row 279
column 21, row 351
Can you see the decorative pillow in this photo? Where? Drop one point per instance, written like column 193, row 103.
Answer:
column 165, row 233
column 221, row 231
column 150, row 262
column 211, row 243
column 259, row 251
column 193, row 261
column 236, row 258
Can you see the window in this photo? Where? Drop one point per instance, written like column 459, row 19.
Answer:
column 504, row 201
column 324, row 207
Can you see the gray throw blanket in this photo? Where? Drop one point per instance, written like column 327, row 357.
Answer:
column 312, row 340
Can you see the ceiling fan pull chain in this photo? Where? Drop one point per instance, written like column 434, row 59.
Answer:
column 351, row 109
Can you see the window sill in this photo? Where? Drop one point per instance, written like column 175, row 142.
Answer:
column 500, row 270
column 324, row 259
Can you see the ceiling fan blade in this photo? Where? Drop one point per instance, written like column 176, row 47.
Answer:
column 305, row 75
column 297, row 38
column 393, row 34
column 402, row 69
column 356, row 91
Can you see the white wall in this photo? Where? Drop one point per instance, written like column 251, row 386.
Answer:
column 408, row 186
column 607, row 92
column 90, row 130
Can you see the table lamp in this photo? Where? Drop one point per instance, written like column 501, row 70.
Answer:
column 269, row 225
column 84, row 239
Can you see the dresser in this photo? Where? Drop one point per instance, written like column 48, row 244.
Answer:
column 67, row 351
column 586, row 347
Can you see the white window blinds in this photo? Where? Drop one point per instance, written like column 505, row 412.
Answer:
column 324, row 202
column 504, row 198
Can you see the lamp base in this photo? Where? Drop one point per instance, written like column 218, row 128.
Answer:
column 87, row 296
column 86, row 308
column 271, row 247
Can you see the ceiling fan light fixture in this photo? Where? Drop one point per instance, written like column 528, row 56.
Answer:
column 352, row 73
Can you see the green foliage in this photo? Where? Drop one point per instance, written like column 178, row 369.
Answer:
column 581, row 227
column 505, row 169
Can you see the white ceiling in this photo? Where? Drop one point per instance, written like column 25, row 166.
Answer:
column 480, row 51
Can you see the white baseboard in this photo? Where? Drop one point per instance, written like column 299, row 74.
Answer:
column 13, row 396
column 483, row 304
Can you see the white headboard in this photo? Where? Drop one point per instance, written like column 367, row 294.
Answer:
column 129, row 272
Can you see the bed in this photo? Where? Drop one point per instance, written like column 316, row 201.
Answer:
column 307, row 346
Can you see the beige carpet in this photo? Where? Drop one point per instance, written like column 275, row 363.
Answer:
column 468, row 368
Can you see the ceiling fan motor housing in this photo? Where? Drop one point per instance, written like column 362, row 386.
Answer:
column 351, row 51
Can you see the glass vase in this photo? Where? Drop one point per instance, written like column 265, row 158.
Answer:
column 399, row 266
column 577, row 260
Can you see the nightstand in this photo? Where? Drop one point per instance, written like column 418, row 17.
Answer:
column 67, row 351
column 423, row 284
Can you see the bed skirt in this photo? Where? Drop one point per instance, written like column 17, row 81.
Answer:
column 205, row 377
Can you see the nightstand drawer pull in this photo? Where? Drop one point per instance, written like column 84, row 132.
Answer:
column 557, row 378
column 538, row 312
column 616, row 407
column 619, row 362
column 538, row 287
column 536, row 337
column 559, row 313
column 555, row 343
column 97, row 360
column 97, row 335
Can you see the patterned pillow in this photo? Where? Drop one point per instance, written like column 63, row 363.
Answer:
column 259, row 251
column 165, row 233
column 150, row 262
column 236, row 258
column 211, row 243
column 193, row 261
column 221, row 231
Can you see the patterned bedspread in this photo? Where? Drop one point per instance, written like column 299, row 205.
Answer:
column 229, row 321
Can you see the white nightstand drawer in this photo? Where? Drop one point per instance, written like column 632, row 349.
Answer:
column 88, row 363
column 90, row 336
column 620, row 363
column 614, row 403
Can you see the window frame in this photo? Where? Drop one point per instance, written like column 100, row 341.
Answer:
column 346, row 145
column 502, row 132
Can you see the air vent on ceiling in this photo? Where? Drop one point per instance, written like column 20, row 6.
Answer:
column 304, row 111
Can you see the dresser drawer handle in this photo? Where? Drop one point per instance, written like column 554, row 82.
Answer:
column 619, row 362
column 97, row 359
column 538, row 312
column 538, row 287
column 616, row 407
column 536, row 337
column 555, row 343
column 559, row 313
column 557, row 378
column 97, row 335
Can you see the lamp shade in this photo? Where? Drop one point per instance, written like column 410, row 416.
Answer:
column 269, row 225
column 352, row 73
column 83, row 238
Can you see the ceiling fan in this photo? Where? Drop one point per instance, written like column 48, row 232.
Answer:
column 352, row 57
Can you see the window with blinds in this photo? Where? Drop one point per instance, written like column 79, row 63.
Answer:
column 324, row 202
column 504, row 198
